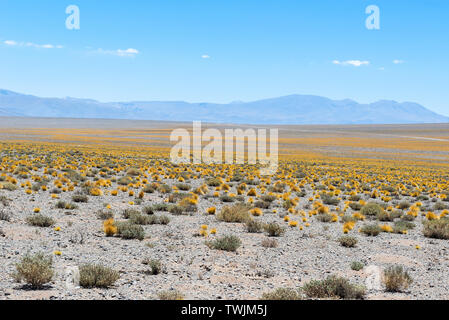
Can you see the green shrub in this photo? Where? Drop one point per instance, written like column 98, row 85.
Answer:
column 9, row 186
column 254, row 226
column 274, row 230
column 183, row 186
column 226, row 243
column 269, row 243
column 227, row 198
column 282, row 294
column 439, row 206
column 164, row 188
column 437, row 229
column 105, row 214
column 268, row 198
column 371, row 230
column 39, row 220
column 333, row 287
column 80, row 198
column 324, row 217
column 5, row 215
column 129, row 213
column 160, row 207
column 329, row 200
column 357, row 266
column 262, row 204
column 347, row 241
column 155, row 266
column 396, row 279
column 404, row 205
column 371, row 209
column 149, row 210
column 356, row 206
column 236, row 213
column 149, row 189
column 97, row 276
column 213, row 182
column 128, row 230
column 66, row 205
column 36, row 270
column 171, row 295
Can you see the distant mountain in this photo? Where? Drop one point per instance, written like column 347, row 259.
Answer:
column 292, row 109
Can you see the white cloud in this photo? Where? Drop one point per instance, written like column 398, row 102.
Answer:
column 396, row 61
column 10, row 43
column 355, row 63
column 205, row 56
column 119, row 52
column 31, row 44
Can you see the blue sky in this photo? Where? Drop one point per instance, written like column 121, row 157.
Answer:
column 222, row 51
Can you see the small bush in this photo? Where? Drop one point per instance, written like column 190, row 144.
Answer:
column 282, row 294
column 324, row 217
column 160, row 207
column 164, row 188
column 355, row 206
column 36, row 270
column 402, row 226
column 171, row 295
column 141, row 219
column 80, row 198
column 183, row 186
column 254, row 226
column 437, row 229
column 5, row 215
column 439, row 206
column 235, row 213
column 371, row 230
column 176, row 210
column 396, row 279
column 9, row 186
column 148, row 210
column 227, row 198
column 66, row 205
column 129, row 213
column 404, row 205
column 269, row 243
column 268, row 198
column 149, row 189
column 105, row 214
column 155, row 266
column 226, row 243
column 274, row 230
column 127, row 230
column 39, row 220
column 371, row 209
column 262, row 204
column 329, row 200
column 97, row 276
column 357, row 266
column 213, row 182
column 347, row 241
column 333, row 287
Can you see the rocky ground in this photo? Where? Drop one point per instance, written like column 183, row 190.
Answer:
column 198, row 271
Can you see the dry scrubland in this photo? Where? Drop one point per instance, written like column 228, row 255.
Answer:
column 106, row 199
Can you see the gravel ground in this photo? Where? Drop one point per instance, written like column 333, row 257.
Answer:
column 198, row 271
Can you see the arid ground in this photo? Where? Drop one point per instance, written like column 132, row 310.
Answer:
column 347, row 204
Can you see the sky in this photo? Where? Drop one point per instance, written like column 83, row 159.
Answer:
column 222, row 51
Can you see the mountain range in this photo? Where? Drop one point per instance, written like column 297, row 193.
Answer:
column 292, row 109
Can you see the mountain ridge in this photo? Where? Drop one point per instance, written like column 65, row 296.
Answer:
column 289, row 109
